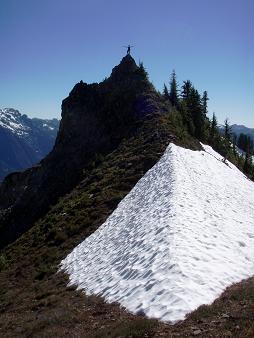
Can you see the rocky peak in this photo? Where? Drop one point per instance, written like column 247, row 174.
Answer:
column 126, row 67
column 11, row 111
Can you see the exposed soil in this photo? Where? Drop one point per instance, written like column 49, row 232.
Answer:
column 49, row 309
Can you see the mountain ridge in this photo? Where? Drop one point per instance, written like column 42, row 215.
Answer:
column 24, row 141
column 239, row 128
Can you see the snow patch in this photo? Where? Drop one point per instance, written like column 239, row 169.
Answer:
column 11, row 119
column 182, row 235
column 45, row 125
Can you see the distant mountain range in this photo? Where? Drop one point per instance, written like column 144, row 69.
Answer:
column 23, row 141
column 240, row 129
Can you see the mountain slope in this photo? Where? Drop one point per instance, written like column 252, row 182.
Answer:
column 23, row 141
column 72, row 219
column 176, row 241
column 34, row 300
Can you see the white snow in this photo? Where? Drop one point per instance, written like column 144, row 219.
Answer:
column 11, row 119
column 45, row 125
column 181, row 236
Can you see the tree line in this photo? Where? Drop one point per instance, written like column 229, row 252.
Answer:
column 193, row 109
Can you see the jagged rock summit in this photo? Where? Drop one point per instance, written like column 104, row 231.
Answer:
column 95, row 118
column 126, row 67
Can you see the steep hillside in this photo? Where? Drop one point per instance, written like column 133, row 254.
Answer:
column 23, row 141
column 34, row 298
column 29, row 280
column 176, row 241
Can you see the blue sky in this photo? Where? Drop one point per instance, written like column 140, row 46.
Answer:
column 47, row 46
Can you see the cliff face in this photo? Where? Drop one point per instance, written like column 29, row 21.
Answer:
column 95, row 118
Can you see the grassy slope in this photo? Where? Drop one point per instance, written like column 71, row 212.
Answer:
column 34, row 299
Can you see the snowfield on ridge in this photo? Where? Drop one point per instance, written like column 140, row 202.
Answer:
column 182, row 235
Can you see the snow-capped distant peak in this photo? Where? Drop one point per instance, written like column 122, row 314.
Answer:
column 182, row 235
column 11, row 119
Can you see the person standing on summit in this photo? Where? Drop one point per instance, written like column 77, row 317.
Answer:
column 128, row 49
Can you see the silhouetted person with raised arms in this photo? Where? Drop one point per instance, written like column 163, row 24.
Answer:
column 128, row 49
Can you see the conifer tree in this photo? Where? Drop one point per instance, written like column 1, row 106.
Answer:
column 204, row 102
column 195, row 108
column 227, row 130
column 241, row 141
column 247, row 167
column 142, row 71
column 249, row 144
column 165, row 92
column 185, row 106
column 214, row 126
column 234, row 140
column 227, row 139
column 245, row 143
column 173, row 95
column 192, row 110
column 186, row 88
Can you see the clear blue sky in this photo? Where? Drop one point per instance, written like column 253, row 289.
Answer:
column 47, row 46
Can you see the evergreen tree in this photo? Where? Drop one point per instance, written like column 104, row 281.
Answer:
column 234, row 139
column 204, row 102
column 214, row 126
column 215, row 139
column 142, row 71
column 227, row 130
column 173, row 95
column 248, row 167
column 241, row 142
column 186, row 88
column 165, row 92
column 245, row 143
column 187, row 118
column 249, row 145
column 193, row 112
column 227, row 139
column 196, row 111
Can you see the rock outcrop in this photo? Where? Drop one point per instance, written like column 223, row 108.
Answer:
column 95, row 118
